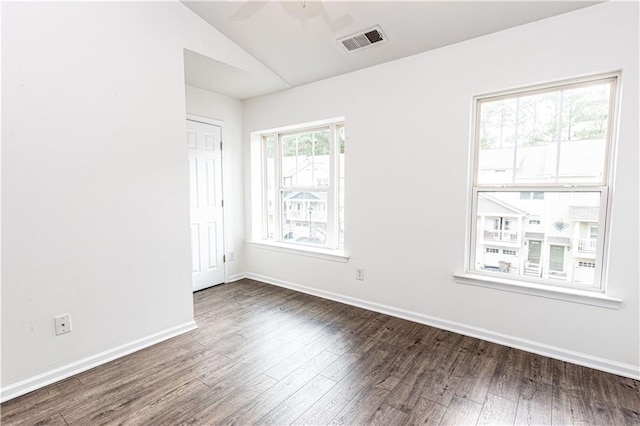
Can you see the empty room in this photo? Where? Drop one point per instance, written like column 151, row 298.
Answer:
column 320, row 212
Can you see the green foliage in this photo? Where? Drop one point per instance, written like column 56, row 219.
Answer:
column 535, row 119
column 306, row 144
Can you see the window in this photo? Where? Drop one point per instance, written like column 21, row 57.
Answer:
column 528, row 195
column 303, row 186
column 541, row 157
column 501, row 223
column 560, row 225
column 491, row 250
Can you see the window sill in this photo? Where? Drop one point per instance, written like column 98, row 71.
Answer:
column 318, row 253
column 550, row 292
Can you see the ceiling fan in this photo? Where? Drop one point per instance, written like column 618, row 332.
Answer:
column 333, row 13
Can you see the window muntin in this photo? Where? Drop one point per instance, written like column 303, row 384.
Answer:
column 304, row 186
column 541, row 159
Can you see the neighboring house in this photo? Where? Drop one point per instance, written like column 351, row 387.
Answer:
column 305, row 212
column 305, row 216
column 585, row 237
column 500, row 235
column 539, row 234
column 556, row 239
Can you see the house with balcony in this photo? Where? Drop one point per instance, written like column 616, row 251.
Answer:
column 550, row 235
column 522, row 235
column 500, row 228
column 585, row 235
column 305, row 215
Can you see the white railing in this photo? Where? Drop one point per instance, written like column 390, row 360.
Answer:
column 504, row 236
column 587, row 245
column 302, row 215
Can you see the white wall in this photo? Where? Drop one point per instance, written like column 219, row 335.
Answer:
column 229, row 110
column 95, row 180
column 408, row 131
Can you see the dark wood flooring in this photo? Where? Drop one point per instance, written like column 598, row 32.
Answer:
column 267, row 355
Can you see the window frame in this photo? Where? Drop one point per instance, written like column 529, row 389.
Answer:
column 279, row 187
column 603, row 188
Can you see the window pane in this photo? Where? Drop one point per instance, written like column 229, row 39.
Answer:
column 270, row 146
column 305, row 159
column 304, row 217
column 551, row 237
column 538, row 133
column 320, row 168
column 496, row 141
column 296, row 163
column 584, row 134
column 550, row 137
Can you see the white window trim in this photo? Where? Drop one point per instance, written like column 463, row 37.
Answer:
column 259, row 199
column 301, row 250
column 540, row 290
column 596, row 296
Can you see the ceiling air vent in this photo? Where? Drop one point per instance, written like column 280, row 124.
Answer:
column 363, row 39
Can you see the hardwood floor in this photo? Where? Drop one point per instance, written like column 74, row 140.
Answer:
column 267, row 355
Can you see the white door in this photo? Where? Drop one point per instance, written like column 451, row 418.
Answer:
column 205, row 175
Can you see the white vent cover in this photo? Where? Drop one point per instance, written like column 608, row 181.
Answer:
column 362, row 39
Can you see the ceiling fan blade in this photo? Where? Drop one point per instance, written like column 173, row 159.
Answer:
column 335, row 18
column 336, row 25
column 247, row 10
column 337, row 9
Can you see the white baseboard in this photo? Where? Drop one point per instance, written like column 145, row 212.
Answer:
column 236, row 277
column 44, row 379
column 609, row 366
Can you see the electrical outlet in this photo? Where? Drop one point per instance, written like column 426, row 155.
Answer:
column 360, row 274
column 232, row 256
column 62, row 323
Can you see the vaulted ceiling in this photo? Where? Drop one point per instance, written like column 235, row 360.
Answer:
column 297, row 40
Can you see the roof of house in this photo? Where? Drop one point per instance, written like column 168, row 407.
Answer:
column 305, row 196
column 488, row 205
column 559, row 240
column 534, row 235
column 578, row 159
column 585, row 213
